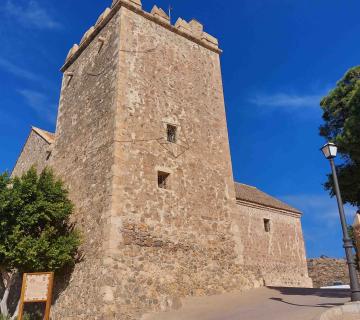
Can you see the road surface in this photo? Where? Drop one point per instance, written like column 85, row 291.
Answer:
column 258, row 304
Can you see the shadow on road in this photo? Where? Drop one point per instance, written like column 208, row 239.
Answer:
column 260, row 304
column 319, row 305
column 324, row 293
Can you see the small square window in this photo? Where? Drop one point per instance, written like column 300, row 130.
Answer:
column 171, row 133
column 267, row 226
column 163, row 182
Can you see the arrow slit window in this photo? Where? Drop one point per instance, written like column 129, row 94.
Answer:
column 171, row 133
column 267, row 225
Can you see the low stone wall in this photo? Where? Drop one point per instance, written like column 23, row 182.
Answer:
column 349, row 311
column 325, row 271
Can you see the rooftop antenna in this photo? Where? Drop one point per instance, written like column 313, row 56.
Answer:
column 170, row 10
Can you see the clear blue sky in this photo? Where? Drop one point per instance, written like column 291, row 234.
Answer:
column 280, row 57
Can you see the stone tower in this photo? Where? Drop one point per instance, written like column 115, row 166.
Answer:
column 142, row 141
column 142, row 144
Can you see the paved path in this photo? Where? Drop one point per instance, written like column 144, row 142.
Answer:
column 258, row 304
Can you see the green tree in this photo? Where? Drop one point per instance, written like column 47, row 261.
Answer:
column 35, row 233
column 341, row 115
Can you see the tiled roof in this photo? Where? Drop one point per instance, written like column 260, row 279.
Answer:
column 48, row 136
column 254, row 195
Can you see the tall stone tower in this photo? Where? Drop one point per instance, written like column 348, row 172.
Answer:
column 142, row 143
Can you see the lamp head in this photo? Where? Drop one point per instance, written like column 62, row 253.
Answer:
column 329, row 150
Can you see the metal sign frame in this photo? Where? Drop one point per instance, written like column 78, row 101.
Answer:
column 48, row 299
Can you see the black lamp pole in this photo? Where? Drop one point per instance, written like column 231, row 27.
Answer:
column 348, row 244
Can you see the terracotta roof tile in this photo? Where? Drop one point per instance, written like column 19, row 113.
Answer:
column 254, row 195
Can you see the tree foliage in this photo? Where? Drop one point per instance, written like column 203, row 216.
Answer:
column 35, row 233
column 341, row 115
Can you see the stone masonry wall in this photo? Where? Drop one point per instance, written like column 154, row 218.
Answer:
column 83, row 157
column 279, row 254
column 34, row 153
column 145, row 248
column 168, row 244
column 325, row 271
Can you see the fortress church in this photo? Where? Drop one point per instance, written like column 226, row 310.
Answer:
column 141, row 142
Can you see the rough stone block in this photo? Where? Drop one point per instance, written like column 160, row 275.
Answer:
column 196, row 28
column 210, row 40
column 160, row 14
column 72, row 51
column 103, row 16
column 87, row 35
column 136, row 3
column 183, row 26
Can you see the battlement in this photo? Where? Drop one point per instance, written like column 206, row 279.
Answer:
column 192, row 30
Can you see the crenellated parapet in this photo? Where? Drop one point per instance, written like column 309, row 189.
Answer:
column 136, row 3
column 192, row 30
column 160, row 14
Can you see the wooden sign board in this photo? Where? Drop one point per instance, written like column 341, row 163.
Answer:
column 37, row 287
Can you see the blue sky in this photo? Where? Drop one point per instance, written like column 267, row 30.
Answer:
column 280, row 57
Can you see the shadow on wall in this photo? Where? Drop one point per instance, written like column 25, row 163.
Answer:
column 61, row 281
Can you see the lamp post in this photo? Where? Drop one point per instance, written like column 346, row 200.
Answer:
column 330, row 152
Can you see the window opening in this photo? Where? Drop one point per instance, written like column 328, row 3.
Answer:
column 101, row 43
column 70, row 76
column 163, row 178
column 171, row 133
column 267, row 225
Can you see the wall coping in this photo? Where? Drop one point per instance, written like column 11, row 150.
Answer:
column 276, row 210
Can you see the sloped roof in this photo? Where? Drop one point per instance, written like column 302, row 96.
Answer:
column 254, row 195
column 47, row 136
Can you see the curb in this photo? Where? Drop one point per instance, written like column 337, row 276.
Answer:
column 352, row 308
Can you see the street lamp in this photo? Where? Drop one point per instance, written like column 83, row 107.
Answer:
column 330, row 151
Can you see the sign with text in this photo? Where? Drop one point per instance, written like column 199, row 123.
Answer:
column 37, row 287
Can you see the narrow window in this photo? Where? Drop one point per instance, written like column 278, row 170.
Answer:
column 70, row 76
column 267, row 225
column 163, row 182
column 101, row 43
column 171, row 133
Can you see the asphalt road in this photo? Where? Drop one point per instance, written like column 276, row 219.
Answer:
column 258, row 304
